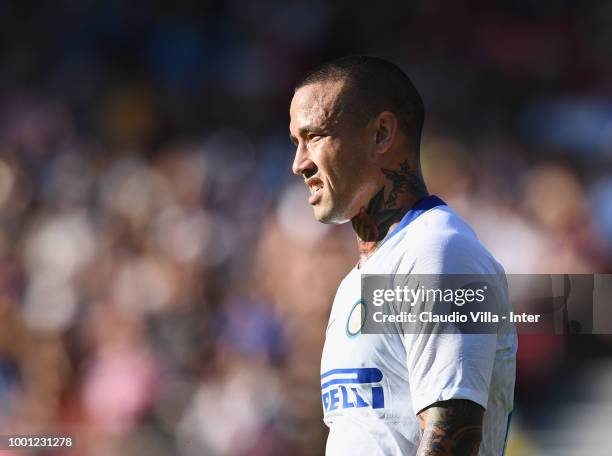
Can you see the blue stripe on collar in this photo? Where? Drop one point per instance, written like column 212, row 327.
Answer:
column 422, row 206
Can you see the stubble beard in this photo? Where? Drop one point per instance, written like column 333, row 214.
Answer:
column 334, row 213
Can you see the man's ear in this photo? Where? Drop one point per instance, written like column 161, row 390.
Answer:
column 385, row 130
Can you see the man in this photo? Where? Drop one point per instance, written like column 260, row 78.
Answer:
column 356, row 123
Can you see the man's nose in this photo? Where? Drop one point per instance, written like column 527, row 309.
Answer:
column 302, row 161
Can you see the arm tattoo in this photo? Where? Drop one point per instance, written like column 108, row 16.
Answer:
column 451, row 427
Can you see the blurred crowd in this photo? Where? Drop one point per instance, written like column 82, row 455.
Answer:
column 164, row 288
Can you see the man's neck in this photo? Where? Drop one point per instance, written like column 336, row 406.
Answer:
column 403, row 188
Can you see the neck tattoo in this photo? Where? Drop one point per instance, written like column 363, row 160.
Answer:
column 404, row 187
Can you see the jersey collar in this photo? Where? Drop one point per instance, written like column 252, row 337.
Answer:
column 422, row 206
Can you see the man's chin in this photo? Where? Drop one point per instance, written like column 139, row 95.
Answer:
column 328, row 216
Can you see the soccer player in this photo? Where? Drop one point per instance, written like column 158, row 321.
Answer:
column 356, row 123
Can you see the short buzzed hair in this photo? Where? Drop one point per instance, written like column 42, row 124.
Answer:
column 373, row 85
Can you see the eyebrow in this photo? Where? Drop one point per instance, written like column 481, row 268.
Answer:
column 305, row 130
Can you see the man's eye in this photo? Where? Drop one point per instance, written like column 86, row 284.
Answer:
column 313, row 138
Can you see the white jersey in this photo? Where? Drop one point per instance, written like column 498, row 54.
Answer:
column 373, row 385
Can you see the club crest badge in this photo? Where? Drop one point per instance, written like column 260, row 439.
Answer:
column 356, row 319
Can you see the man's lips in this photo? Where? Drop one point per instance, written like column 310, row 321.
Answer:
column 315, row 185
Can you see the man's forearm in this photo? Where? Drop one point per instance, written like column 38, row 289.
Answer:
column 451, row 428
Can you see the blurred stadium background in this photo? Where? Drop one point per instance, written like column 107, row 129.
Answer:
column 163, row 286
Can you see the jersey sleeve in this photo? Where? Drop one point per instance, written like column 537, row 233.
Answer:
column 443, row 364
column 449, row 366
